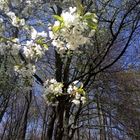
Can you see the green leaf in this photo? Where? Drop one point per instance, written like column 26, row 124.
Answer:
column 91, row 24
column 45, row 46
column 59, row 18
column 56, row 28
column 80, row 8
column 88, row 16
column 40, row 41
column 81, row 91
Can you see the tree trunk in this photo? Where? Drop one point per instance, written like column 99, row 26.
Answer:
column 43, row 134
column 3, row 105
column 23, row 124
column 66, row 121
column 59, row 130
column 52, row 117
column 101, row 119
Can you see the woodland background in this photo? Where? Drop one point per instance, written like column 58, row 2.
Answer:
column 109, row 70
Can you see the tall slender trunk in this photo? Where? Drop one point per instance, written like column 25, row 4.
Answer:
column 52, row 117
column 23, row 124
column 101, row 119
column 66, row 121
column 75, row 122
column 43, row 134
column 4, row 105
column 59, row 130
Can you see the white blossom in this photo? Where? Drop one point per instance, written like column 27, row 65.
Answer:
column 76, row 102
column 11, row 14
column 25, row 71
column 35, row 34
column 56, row 23
column 52, row 89
column 69, row 34
column 83, row 99
column 15, row 20
column 77, row 96
column 70, row 89
column 75, row 82
column 27, row 49
column 22, row 22
column 77, row 92
column 1, row 20
column 72, row 9
column 71, row 17
column 15, row 49
column 51, row 34
column 53, row 81
column 32, row 50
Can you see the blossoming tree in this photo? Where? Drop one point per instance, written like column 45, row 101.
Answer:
column 71, row 30
column 68, row 38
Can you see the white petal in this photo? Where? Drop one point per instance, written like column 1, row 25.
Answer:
column 77, row 96
column 77, row 102
column 33, row 33
column 83, row 99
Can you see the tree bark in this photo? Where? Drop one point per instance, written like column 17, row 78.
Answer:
column 101, row 119
column 59, row 130
column 23, row 124
column 51, row 122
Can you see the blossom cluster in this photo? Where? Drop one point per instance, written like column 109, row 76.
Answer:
column 12, row 47
column 53, row 89
column 77, row 93
column 21, row 53
column 33, row 48
column 15, row 20
column 25, row 74
column 26, row 71
column 68, row 31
